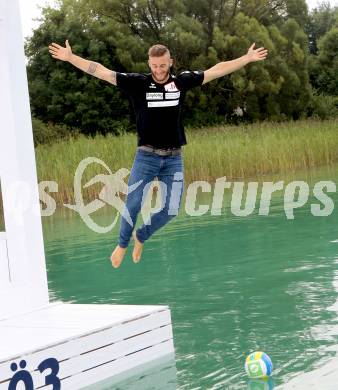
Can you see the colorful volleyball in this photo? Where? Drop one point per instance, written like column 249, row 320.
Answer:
column 258, row 365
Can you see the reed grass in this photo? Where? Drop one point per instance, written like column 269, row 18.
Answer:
column 232, row 151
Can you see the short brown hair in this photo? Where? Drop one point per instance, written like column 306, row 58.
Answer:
column 158, row 50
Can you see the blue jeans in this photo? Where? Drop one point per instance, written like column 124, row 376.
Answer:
column 146, row 167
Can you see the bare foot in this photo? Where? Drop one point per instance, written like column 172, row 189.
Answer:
column 138, row 246
column 117, row 256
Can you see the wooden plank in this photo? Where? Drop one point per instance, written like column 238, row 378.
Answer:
column 81, row 316
column 79, row 344
column 143, row 377
column 116, row 367
column 77, row 377
column 114, row 352
column 58, row 340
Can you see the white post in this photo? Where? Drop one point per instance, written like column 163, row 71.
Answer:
column 23, row 280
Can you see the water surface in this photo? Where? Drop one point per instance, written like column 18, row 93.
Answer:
column 234, row 284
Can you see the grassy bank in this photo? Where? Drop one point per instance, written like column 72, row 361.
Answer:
column 235, row 152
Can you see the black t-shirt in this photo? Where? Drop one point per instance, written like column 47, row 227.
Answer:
column 158, row 107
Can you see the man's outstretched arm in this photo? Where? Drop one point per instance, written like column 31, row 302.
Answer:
column 93, row 68
column 223, row 68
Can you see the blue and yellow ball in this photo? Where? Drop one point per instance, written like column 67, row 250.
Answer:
column 258, row 365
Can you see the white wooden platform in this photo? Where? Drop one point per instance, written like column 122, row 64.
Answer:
column 89, row 342
column 321, row 378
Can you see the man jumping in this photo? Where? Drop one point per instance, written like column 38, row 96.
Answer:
column 157, row 99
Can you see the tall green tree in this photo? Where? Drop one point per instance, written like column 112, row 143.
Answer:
column 320, row 21
column 61, row 94
column 324, row 66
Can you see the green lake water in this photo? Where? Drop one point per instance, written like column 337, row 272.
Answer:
column 234, row 284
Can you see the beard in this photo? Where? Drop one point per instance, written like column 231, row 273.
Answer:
column 160, row 78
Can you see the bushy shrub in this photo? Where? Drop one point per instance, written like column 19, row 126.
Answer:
column 46, row 133
column 323, row 106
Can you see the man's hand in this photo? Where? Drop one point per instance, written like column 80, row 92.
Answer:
column 227, row 67
column 59, row 52
column 256, row 54
column 90, row 67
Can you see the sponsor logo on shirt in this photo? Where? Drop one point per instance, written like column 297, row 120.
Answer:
column 154, row 95
column 172, row 95
column 152, row 85
column 171, row 87
column 164, row 103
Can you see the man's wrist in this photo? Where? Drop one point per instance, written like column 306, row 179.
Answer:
column 246, row 59
column 71, row 57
